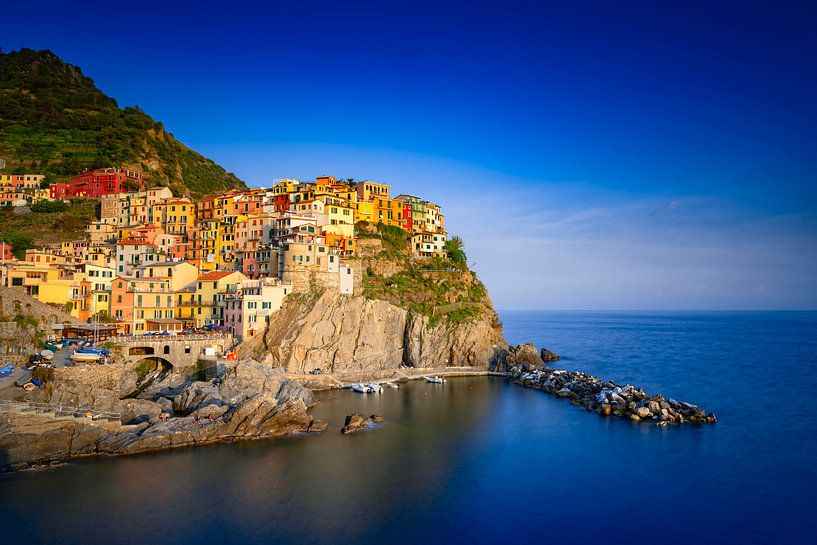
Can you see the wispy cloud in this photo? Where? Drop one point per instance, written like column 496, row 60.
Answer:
column 543, row 244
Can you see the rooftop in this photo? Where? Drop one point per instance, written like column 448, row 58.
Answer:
column 215, row 275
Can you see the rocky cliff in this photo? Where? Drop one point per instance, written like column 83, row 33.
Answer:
column 345, row 334
column 251, row 401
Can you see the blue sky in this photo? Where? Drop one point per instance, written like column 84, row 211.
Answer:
column 593, row 155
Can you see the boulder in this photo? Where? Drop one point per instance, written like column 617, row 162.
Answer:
column 548, row 356
column 356, row 422
column 524, row 355
column 643, row 412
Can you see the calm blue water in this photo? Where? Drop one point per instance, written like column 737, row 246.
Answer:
column 484, row 461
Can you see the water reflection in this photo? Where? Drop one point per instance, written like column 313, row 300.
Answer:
column 483, row 461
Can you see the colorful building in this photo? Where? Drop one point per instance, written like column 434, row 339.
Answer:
column 96, row 183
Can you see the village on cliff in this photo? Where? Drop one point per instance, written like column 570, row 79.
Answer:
column 156, row 263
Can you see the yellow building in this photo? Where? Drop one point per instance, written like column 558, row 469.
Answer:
column 365, row 211
column 211, row 290
column 153, row 305
column 100, row 232
column 62, row 291
column 176, row 216
column 209, row 242
column 367, row 191
column 30, row 276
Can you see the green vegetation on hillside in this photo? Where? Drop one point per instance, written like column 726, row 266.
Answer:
column 439, row 287
column 45, row 224
column 53, row 120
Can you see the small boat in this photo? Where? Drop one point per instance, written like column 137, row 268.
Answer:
column 24, row 378
column 86, row 355
column 360, row 388
column 435, row 380
column 393, row 385
column 375, row 388
column 7, row 370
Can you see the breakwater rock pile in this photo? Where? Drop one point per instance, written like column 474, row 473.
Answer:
column 608, row 398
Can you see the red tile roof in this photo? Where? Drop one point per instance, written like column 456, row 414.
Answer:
column 215, row 275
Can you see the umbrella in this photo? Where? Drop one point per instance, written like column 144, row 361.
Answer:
column 46, row 353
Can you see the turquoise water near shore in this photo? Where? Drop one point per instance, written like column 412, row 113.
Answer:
column 480, row 460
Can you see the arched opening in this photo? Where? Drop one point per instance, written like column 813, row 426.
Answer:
column 166, row 349
column 150, row 370
column 140, row 351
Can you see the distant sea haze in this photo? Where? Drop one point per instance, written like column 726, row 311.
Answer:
column 481, row 460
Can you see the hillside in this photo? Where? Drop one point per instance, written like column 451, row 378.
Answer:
column 54, row 120
column 441, row 288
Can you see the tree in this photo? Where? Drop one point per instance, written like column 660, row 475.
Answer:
column 454, row 247
column 19, row 243
column 130, row 186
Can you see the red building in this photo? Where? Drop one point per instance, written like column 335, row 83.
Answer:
column 406, row 223
column 95, row 183
column 5, row 251
column 281, row 203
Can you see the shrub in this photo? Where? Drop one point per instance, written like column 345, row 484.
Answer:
column 49, row 207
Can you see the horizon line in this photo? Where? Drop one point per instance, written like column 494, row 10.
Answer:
column 651, row 310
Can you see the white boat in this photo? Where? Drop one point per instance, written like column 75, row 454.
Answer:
column 375, row 388
column 393, row 385
column 435, row 380
column 81, row 355
column 360, row 388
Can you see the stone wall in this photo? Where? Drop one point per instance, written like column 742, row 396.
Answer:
column 15, row 301
column 307, row 279
column 106, row 377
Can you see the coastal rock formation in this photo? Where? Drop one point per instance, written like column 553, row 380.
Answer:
column 356, row 422
column 341, row 333
column 525, row 355
column 250, row 401
column 609, row 398
column 548, row 356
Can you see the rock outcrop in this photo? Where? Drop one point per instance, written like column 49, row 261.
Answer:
column 341, row 334
column 250, row 401
column 357, row 422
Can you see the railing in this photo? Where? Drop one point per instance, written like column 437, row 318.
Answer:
column 166, row 338
column 58, row 410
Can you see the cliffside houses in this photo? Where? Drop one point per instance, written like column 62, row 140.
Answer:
column 154, row 262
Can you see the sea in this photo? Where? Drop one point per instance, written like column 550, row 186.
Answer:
column 480, row 460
